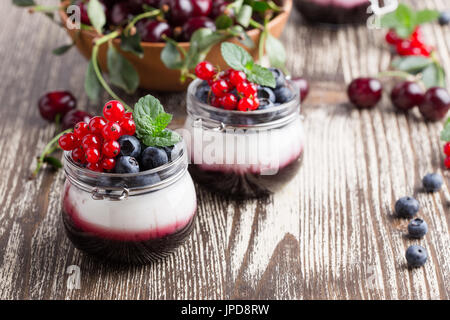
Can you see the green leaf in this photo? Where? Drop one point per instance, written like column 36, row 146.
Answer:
column 24, row 3
column 426, row 15
column 244, row 16
column 262, row 76
column 389, row 20
column 132, row 44
column 62, row 49
column 411, row 64
column 260, row 6
column 445, row 134
column 236, row 57
column 171, row 57
column 276, row 53
column 223, row 22
column 151, row 122
column 242, row 36
column 96, row 15
column 433, row 76
column 55, row 163
column 92, row 86
column 121, row 72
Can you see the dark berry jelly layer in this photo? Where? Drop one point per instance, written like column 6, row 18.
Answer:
column 130, row 252
column 244, row 185
column 332, row 14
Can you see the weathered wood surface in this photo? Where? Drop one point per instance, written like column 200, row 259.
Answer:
column 330, row 234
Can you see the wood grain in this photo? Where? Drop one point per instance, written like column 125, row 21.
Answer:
column 329, row 234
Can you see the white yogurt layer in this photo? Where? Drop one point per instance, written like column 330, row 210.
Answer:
column 244, row 151
column 156, row 213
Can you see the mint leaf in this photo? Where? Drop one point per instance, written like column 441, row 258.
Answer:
column 236, row 57
column 445, row 134
column 62, row 49
column 92, row 86
column 426, row 15
column 24, row 3
column 96, row 15
column 55, row 163
column 121, row 72
column 132, row 44
column 262, row 76
column 433, row 76
column 275, row 51
column 411, row 64
column 151, row 122
column 244, row 16
column 171, row 57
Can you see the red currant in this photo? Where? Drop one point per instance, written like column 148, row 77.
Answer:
column 72, row 117
column 90, row 141
column 246, row 104
column 220, row 87
column 447, row 149
column 111, row 149
column 128, row 115
column 78, row 155
column 229, row 101
column 256, row 102
column 68, row 142
column 108, row 163
column 215, row 102
column 236, row 77
column 113, row 111
column 128, row 126
column 94, row 167
column 81, row 129
column 111, row 131
column 248, row 89
column 392, row 37
column 205, row 70
column 447, row 162
column 92, row 155
column 96, row 125
column 417, row 35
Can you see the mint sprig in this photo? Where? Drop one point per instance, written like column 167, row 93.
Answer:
column 151, row 121
column 239, row 59
column 404, row 19
column 445, row 134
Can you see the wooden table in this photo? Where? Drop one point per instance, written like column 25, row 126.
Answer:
column 330, row 234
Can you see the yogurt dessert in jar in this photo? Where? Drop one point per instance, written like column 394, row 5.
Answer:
column 242, row 152
column 139, row 210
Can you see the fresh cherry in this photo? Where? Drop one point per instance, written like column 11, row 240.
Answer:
column 205, row 70
column 113, row 110
column 202, row 8
column 56, row 102
column 111, row 148
column 73, row 117
column 153, row 30
column 364, row 92
column 120, row 13
column 435, row 104
column 218, row 8
column 406, row 95
column 303, row 86
column 195, row 23
column 182, row 10
column 111, row 131
column 68, row 142
column 96, row 125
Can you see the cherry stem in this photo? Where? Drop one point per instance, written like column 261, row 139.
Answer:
column 45, row 9
column 141, row 16
column 48, row 149
column 397, row 73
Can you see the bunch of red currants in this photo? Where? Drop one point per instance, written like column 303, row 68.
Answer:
column 413, row 46
column 230, row 89
column 94, row 144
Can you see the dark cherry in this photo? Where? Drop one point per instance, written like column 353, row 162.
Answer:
column 56, row 102
column 218, row 8
column 152, row 30
column 202, row 8
column 73, row 117
column 406, row 95
column 365, row 92
column 196, row 23
column 303, row 86
column 435, row 104
column 120, row 13
column 182, row 10
column 84, row 18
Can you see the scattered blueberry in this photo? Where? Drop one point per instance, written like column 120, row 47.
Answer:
column 416, row 256
column 417, row 228
column 126, row 164
column 283, row 94
column 202, row 92
column 129, row 146
column 406, row 207
column 153, row 157
column 173, row 151
column 444, row 18
column 266, row 93
column 279, row 77
column 432, row 182
column 265, row 103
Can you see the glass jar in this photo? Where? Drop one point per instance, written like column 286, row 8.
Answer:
column 243, row 154
column 333, row 11
column 131, row 218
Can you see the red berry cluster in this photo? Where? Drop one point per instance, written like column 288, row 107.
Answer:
column 222, row 84
column 94, row 144
column 414, row 46
column 447, row 155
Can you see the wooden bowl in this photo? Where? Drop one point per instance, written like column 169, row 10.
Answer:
column 153, row 73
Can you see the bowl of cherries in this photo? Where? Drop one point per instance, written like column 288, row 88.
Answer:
column 150, row 24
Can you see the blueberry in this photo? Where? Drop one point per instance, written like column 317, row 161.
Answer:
column 153, row 157
column 444, row 18
column 283, row 94
column 416, row 256
column 129, row 146
column 266, row 93
column 126, row 164
column 279, row 77
column 265, row 104
column 432, row 182
column 406, row 207
column 172, row 151
column 202, row 92
column 417, row 228
column 142, row 181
